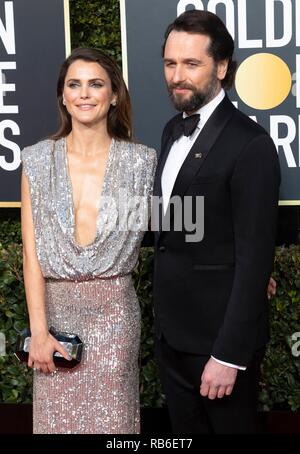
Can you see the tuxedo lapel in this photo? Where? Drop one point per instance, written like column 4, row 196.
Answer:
column 157, row 191
column 204, row 143
column 194, row 160
column 157, row 206
column 198, row 153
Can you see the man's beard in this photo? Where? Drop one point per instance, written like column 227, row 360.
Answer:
column 197, row 99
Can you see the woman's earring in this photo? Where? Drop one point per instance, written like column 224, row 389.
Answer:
column 114, row 103
column 64, row 101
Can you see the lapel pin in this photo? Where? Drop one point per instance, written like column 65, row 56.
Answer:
column 198, row 155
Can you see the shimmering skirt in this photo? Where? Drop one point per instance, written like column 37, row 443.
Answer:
column 101, row 395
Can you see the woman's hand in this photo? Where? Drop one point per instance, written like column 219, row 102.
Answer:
column 41, row 351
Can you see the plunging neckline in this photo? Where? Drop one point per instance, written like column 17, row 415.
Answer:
column 71, row 195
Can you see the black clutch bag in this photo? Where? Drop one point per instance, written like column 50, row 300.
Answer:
column 71, row 343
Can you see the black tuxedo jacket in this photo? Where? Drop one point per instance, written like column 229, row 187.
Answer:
column 210, row 297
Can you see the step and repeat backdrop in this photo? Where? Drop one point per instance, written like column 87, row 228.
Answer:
column 34, row 41
column 267, row 43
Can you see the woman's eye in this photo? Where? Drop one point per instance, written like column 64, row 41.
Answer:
column 93, row 85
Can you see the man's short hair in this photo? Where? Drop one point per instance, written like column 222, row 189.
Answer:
column 221, row 43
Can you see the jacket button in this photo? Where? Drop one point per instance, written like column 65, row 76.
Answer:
column 162, row 248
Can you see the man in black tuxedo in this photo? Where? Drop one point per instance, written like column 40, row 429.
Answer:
column 210, row 291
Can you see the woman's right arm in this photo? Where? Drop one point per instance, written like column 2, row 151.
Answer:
column 42, row 344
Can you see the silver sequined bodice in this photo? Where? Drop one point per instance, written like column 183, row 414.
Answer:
column 122, row 216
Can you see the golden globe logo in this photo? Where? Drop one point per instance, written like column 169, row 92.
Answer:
column 263, row 81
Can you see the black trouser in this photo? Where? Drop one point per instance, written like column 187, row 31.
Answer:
column 190, row 412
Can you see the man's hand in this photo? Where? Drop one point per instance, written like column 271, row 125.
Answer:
column 271, row 288
column 217, row 380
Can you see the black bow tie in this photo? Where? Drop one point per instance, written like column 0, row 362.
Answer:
column 185, row 126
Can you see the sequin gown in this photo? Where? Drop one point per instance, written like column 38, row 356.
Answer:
column 89, row 290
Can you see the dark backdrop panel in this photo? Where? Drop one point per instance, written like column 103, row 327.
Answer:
column 146, row 22
column 40, row 49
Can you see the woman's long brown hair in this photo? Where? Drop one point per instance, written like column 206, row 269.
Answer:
column 119, row 117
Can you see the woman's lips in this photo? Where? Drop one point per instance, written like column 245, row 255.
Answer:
column 85, row 106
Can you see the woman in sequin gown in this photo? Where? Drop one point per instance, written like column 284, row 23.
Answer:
column 85, row 196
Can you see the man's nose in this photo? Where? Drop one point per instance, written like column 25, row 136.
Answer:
column 178, row 75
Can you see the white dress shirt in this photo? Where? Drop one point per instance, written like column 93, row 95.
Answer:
column 177, row 155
